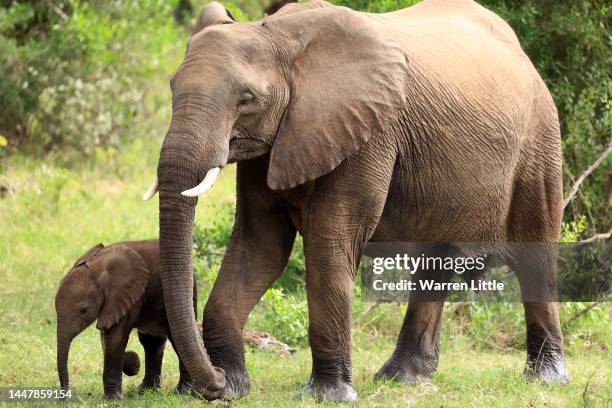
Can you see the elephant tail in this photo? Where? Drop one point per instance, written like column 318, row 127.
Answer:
column 131, row 363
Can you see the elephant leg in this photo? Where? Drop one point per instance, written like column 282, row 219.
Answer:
column 330, row 274
column 544, row 343
column 417, row 349
column 534, row 220
column 114, row 341
column 154, row 354
column 416, row 353
column 185, row 383
column 341, row 216
column 536, row 272
column 257, row 254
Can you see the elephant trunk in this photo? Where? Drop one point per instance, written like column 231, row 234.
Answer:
column 180, row 168
column 63, row 349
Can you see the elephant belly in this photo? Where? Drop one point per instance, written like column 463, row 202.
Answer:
column 432, row 208
column 153, row 321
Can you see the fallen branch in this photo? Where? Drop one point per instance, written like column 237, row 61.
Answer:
column 604, row 235
column 263, row 341
column 583, row 176
column 266, row 342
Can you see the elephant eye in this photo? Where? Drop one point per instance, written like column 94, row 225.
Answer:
column 245, row 97
column 83, row 310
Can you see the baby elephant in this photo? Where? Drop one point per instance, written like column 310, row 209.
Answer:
column 120, row 286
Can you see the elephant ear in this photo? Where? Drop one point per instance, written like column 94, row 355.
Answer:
column 88, row 255
column 123, row 276
column 212, row 14
column 348, row 85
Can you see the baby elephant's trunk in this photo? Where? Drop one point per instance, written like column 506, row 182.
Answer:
column 63, row 348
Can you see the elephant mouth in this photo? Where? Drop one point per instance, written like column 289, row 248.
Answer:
column 244, row 148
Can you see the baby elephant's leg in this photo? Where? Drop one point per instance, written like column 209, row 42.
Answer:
column 154, row 354
column 114, row 341
column 184, row 384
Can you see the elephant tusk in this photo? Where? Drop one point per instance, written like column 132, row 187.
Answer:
column 151, row 191
column 205, row 185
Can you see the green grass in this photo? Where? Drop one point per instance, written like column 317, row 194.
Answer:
column 465, row 377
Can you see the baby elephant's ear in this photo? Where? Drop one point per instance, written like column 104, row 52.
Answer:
column 123, row 276
column 88, row 255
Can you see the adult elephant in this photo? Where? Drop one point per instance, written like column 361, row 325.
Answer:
column 428, row 124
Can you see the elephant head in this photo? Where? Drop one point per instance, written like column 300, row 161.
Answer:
column 103, row 284
column 308, row 86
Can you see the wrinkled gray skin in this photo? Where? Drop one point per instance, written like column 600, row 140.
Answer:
column 428, row 124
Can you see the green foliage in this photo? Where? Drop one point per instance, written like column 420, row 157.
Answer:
column 243, row 11
column 496, row 325
column 571, row 230
column 215, row 235
column 586, row 329
column 3, row 144
column 285, row 315
column 77, row 114
column 73, row 74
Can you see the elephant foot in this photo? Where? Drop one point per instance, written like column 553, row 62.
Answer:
column 551, row 371
column 331, row 392
column 545, row 359
column 400, row 374
column 231, row 360
column 416, row 370
column 331, row 379
column 131, row 363
column 237, row 383
column 113, row 389
column 113, row 395
column 149, row 384
column 183, row 387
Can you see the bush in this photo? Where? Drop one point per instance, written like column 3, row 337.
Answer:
column 286, row 316
column 73, row 74
column 77, row 114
